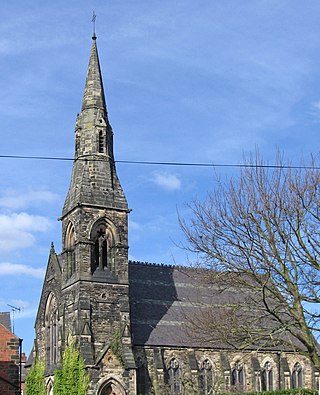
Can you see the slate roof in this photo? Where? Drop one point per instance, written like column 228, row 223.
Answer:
column 161, row 300
column 5, row 320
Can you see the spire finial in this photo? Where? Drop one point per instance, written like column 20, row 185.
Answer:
column 93, row 20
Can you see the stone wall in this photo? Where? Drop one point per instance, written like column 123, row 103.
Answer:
column 157, row 363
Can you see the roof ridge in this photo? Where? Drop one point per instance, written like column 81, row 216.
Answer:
column 155, row 264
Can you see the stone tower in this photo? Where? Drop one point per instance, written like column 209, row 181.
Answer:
column 85, row 295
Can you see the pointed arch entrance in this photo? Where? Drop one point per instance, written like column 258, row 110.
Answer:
column 112, row 387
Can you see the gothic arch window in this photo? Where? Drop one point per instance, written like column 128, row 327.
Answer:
column 237, row 376
column 206, row 377
column 267, row 377
column 173, row 377
column 102, row 247
column 69, row 246
column 296, row 377
column 52, row 330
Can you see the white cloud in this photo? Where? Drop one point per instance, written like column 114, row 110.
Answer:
column 13, row 200
column 134, row 225
column 27, row 309
column 167, row 181
column 16, row 230
column 14, row 269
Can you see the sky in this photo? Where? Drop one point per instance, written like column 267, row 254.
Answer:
column 185, row 81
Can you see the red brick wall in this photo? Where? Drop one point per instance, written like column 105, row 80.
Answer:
column 9, row 359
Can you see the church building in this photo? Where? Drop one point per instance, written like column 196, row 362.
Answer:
column 129, row 318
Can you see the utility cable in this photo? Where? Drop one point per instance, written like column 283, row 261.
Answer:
column 186, row 164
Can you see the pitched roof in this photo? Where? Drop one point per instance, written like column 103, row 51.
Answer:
column 5, row 320
column 165, row 299
column 161, row 300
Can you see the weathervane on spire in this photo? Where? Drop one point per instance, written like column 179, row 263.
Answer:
column 93, row 20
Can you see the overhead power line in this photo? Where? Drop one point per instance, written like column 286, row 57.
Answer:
column 190, row 164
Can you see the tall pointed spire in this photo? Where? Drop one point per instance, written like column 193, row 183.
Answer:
column 93, row 93
column 94, row 179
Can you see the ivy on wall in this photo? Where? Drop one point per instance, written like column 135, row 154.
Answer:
column 72, row 378
column 116, row 346
column 35, row 380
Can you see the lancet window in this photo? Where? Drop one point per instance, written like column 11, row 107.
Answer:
column 296, row 377
column 267, row 377
column 52, row 330
column 173, row 377
column 237, row 376
column 102, row 247
column 69, row 246
column 206, row 378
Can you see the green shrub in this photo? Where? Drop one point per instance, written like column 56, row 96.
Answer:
column 35, row 380
column 72, row 378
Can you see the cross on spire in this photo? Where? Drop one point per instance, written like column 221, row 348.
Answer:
column 93, row 20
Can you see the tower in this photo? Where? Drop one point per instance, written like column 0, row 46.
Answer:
column 85, row 294
column 94, row 217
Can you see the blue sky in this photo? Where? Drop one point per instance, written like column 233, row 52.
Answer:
column 185, row 81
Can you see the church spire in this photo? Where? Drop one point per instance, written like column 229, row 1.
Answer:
column 94, row 179
column 93, row 93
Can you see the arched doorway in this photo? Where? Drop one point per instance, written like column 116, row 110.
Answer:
column 112, row 387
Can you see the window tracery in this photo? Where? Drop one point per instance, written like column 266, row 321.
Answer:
column 267, row 377
column 173, row 379
column 296, row 377
column 206, row 377
column 237, row 376
column 52, row 330
column 102, row 247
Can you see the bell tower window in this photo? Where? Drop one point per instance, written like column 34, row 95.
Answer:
column 102, row 248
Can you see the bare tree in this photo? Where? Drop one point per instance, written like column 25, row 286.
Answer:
column 259, row 233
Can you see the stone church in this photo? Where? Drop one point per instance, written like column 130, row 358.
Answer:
column 129, row 318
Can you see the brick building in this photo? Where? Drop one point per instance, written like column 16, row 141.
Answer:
column 129, row 318
column 9, row 357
